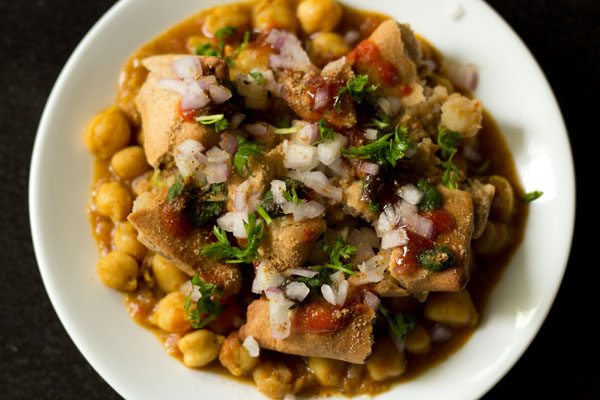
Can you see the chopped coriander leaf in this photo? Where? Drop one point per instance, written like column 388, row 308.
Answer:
column 326, row 132
column 258, row 77
column 532, row 196
column 437, row 259
column 388, row 149
column 176, row 189
column 448, row 141
column 400, row 324
column 379, row 123
column 356, row 87
column 206, row 50
column 207, row 309
column 264, row 214
column 223, row 250
column 286, row 131
column 338, row 252
column 237, row 51
column 374, row 207
column 269, row 205
column 292, row 186
column 322, row 278
column 223, row 34
column 205, row 212
column 431, row 199
column 219, row 121
column 245, row 150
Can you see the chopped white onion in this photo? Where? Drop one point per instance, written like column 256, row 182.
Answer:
column 342, row 292
column 390, row 105
column 302, row 211
column 219, row 94
column 384, row 105
column 258, row 130
column 300, row 156
column 187, row 287
column 278, row 313
column 236, row 120
column 317, row 181
column 240, row 198
column 251, row 346
column 307, row 273
column 174, row 85
column 277, row 188
column 364, row 250
column 229, row 142
column 409, row 214
column 410, row 193
column 204, row 82
column 194, row 98
column 187, row 166
column 215, row 155
column 187, row 67
column 255, row 95
column 191, row 148
column 233, row 221
column 217, row 172
column 266, row 277
column 371, row 300
column 371, row 134
column 297, row 291
column 339, row 168
column 331, row 150
column 328, row 294
column 291, row 54
column 394, row 238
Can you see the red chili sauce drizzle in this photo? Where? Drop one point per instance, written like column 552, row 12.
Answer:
column 367, row 57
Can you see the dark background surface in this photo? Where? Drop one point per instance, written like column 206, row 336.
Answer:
column 39, row 361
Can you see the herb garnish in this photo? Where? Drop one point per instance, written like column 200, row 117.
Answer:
column 431, row 199
column 338, row 252
column 400, row 324
column 291, row 191
column 245, row 150
column 356, row 87
column 532, row 196
column 223, row 34
column 388, row 149
column 201, row 207
column 258, row 77
column 264, row 214
column 219, row 121
column 286, row 131
column 448, row 141
column 207, row 309
column 206, row 50
column 223, row 250
column 326, row 132
column 437, row 259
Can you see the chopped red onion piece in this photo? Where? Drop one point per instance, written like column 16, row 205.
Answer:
column 321, row 99
column 307, row 134
column 174, row 85
column 187, row 67
column 205, row 82
column 351, row 36
column 278, row 313
column 302, row 211
column 307, row 273
column 228, row 142
column 187, row 287
column 297, row 291
column 371, row 134
column 219, row 94
column 236, row 120
column 410, row 193
column 277, row 188
column 369, row 168
column 399, row 343
column 328, row 294
column 440, row 333
column 384, row 104
column 215, row 155
column 340, row 298
column 258, row 130
column 339, row 168
column 331, row 150
column 465, row 76
column 291, row 54
column 194, row 98
column 251, row 345
column 317, row 181
column 190, row 147
column 240, row 199
column 217, row 172
column 371, row 300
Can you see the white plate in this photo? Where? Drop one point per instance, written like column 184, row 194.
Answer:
column 132, row 360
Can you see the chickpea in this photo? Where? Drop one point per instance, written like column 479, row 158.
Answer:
column 233, row 15
column 274, row 14
column 129, row 162
column 386, row 361
column 274, row 379
column 169, row 314
column 454, row 309
column 493, row 240
column 114, row 201
column 418, row 340
column 125, row 240
column 118, row 270
column 327, row 371
column 251, row 59
column 326, row 47
column 200, row 348
column 503, row 205
column 107, row 133
column 168, row 277
column 235, row 357
column 319, row 15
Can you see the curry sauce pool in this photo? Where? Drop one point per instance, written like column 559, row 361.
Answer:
column 302, row 195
